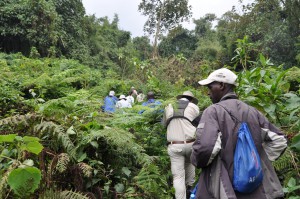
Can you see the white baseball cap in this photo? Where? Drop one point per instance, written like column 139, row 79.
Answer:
column 111, row 93
column 221, row 75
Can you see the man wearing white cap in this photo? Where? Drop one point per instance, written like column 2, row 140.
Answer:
column 216, row 138
column 181, row 135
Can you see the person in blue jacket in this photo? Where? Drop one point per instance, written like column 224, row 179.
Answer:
column 151, row 102
column 110, row 102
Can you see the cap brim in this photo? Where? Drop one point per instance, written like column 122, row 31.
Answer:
column 194, row 100
column 205, row 82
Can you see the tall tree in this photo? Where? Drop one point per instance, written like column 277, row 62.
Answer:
column 204, row 25
column 178, row 41
column 143, row 47
column 162, row 16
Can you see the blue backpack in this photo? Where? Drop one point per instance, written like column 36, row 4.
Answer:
column 247, row 169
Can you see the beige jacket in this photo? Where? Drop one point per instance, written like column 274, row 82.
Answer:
column 180, row 129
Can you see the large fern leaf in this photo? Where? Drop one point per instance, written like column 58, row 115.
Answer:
column 59, row 132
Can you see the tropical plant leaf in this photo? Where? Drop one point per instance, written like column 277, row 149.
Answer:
column 33, row 147
column 119, row 187
column 296, row 143
column 24, row 181
column 7, row 138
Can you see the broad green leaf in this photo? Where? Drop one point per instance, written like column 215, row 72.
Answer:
column 106, row 188
column 126, row 171
column 5, row 152
column 262, row 73
column 293, row 113
column 24, row 181
column 296, row 143
column 285, row 190
column 268, row 87
column 271, row 110
column 82, row 157
column 33, row 147
column 293, row 101
column 248, row 90
column 119, row 187
column 7, row 138
column 28, row 162
column 94, row 144
column 292, row 182
column 30, row 139
column 294, row 188
column 18, row 138
column 71, row 131
column 294, row 197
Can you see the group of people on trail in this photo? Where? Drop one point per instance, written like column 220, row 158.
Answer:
column 209, row 143
column 209, row 140
column 111, row 102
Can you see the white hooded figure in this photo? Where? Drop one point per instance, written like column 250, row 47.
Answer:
column 123, row 103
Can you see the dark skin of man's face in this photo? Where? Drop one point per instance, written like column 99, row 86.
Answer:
column 216, row 91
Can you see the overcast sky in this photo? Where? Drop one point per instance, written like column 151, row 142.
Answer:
column 130, row 19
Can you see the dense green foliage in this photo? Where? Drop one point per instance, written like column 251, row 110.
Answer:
column 58, row 65
column 104, row 155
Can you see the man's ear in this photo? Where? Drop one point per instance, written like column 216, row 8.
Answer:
column 222, row 86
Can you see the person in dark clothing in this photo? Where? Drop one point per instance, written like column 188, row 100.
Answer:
column 213, row 150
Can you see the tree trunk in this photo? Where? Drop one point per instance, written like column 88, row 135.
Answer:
column 161, row 13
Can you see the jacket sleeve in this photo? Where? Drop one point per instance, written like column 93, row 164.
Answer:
column 274, row 141
column 208, row 139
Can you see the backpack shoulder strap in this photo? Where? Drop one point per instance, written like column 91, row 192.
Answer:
column 231, row 115
column 176, row 117
column 179, row 113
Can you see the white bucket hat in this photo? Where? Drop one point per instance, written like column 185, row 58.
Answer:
column 221, row 75
column 188, row 94
column 122, row 97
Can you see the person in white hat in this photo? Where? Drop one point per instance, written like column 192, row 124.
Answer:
column 216, row 138
column 181, row 135
column 123, row 102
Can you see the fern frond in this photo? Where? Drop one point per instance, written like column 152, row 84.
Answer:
column 62, row 162
column 72, row 195
column 145, row 159
column 86, row 169
column 56, row 194
column 59, row 132
column 50, row 194
column 151, row 181
column 18, row 119
column 121, row 142
column 284, row 162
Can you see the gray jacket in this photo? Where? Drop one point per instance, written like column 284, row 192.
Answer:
column 213, row 150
